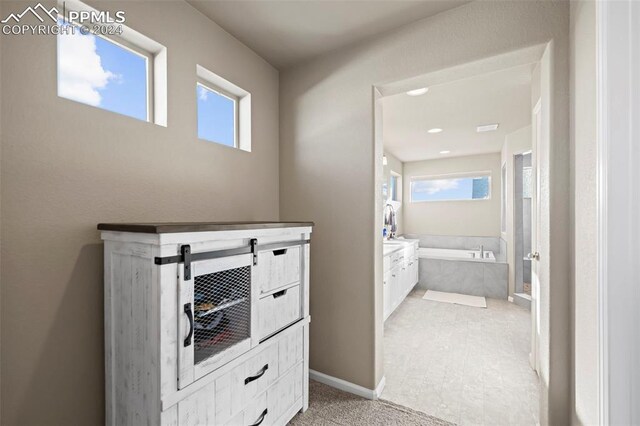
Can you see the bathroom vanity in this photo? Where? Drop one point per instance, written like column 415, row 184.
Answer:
column 206, row 323
column 400, row 267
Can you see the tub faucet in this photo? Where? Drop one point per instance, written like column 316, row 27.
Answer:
column 481, row 248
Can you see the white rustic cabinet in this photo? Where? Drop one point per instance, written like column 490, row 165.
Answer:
column 206, row 323
column 400, row 267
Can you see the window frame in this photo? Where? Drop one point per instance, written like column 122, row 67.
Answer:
column 236, row 109
column 136, row 50
column 148, row 57
column 461, row 175
column 243, row 120
column 155, row 56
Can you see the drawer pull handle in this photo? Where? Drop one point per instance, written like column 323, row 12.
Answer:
column 257, row 376
column 279, row 252
column 261, row 418
column 279, row 293
column 189, row 312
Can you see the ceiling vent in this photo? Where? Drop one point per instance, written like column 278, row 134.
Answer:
column 487, row 128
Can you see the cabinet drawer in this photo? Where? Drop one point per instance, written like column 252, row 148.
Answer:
column 245, row 382
column 197, row 409
column 278, row 310
column 243, row 386
column 267, row 408
column 408, row 253
column 277, row 268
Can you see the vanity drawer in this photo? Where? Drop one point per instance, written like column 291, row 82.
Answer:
column 278, row 310
column 386, row 263
column 277, row 268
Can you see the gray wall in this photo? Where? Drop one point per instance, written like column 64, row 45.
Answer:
column 515, row 143
column 330, row 163
column 522, row 225
column 526, row 226
column 67, row 166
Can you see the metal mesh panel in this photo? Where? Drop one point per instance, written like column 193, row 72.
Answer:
column 222, row 305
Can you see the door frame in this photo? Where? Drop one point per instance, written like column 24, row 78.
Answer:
column 618, row 207
column 536, row 130
column 555, row 328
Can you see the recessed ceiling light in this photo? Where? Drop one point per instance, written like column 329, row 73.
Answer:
column 434, row 130
column 487, row 128
column 418, row 92
column 445, row 152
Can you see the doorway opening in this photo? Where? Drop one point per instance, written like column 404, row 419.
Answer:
column 458, row 202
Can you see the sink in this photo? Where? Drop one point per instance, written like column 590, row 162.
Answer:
column 393, row 245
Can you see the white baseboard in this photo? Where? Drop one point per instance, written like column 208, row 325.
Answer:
column 343, row 385
column 380, row 387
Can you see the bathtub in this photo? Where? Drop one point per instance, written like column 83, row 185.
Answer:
column 456, row 254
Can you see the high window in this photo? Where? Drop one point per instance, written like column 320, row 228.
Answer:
column 119, row 70
column 224, row 111
column 458, row 187
column 101, row 72
column 217, row 115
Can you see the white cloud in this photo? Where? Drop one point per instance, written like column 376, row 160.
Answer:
column 202, row 93
column 80, row 71
column 434, row 186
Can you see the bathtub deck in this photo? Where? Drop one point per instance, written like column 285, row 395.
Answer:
column 466, row 365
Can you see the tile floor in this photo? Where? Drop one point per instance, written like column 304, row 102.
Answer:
column 467, row 365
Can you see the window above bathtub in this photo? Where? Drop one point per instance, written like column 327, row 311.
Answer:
column 451, row 187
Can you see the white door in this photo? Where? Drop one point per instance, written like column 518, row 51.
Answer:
column 534, row 356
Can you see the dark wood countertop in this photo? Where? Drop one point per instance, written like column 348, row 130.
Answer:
column 173, row 227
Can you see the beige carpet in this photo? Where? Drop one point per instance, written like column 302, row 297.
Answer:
column 456, row 298
column 329, row 406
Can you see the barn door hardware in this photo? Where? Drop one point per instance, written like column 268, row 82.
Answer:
column 187, row 257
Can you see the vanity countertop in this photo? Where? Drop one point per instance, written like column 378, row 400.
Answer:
column 174, row 227
column 392, row 246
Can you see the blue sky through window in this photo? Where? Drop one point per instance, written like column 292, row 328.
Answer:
column 466, row 188
column 97, row 72
column 216, row 116
column 127, row 94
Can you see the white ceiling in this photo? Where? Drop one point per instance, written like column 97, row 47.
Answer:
column 287, row 32
column 458, row 108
